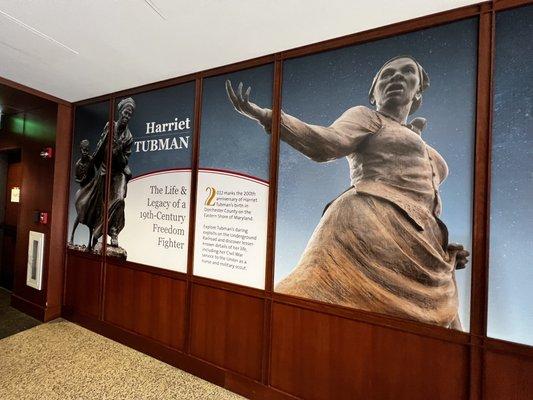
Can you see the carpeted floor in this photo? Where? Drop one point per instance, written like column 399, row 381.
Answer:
column 12, row 320
column 61, row 360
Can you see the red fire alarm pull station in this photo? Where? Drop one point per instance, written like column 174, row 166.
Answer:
column 47, row 152
column 43, row 218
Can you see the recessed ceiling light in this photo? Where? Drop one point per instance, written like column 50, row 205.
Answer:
column 37, row 32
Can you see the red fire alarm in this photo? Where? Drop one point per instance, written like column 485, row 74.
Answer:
column 43, row 218
column 47, row 152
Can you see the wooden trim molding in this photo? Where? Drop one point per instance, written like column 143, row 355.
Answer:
column 34, row 92
column 28, row 307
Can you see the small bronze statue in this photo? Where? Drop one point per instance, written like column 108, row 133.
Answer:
column 90, row 173
column 120, row 175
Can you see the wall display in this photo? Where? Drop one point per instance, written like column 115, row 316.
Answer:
column 376, row 174
column 148, row 211
column 87, row 177
column 510, row 314
column 233, row 176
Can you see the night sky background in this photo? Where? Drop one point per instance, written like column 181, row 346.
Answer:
column 161, row 106
column 511, row 228
column 228, row 140
column 90, row 121
column 319, row 88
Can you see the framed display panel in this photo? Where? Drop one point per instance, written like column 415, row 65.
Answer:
column 510, row 315
column 88, row 177
column 34, row 269
column 477, row 362
column 148, row 208
column 233, row 177
column 375, row 185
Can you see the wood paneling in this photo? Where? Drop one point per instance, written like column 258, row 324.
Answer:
column 83, row 284
column 316, row 356
column 14, row 86
column 227, row 329
column 35, row 195
column 7, row 258
column 30, row 131
column 14, row 179
column 508, row 376
column 31, row 117
column 266, row 345
column 58, row 218
column 148, row 304
column 505, row 4
column 155, row 349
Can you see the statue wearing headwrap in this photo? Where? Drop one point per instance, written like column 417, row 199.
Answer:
column 91, row 174
column 380, row 246
column 120, row 171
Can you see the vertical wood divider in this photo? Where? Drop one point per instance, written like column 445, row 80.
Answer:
column 479, row 288
column 65, row 222
column 103, row 259
column 192, row 209
column 60, row 198
column 272, row 207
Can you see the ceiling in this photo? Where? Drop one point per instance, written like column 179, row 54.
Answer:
column 77, row 49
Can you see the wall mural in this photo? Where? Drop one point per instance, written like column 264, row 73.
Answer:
column 233, row 182
column 510, row 314
column 148, row 209
column 389, row 232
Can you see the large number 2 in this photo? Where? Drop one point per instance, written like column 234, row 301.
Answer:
column 211, row 197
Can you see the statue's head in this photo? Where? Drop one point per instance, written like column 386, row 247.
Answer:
column 399, row 82
column 84, row 147
column 125, row 110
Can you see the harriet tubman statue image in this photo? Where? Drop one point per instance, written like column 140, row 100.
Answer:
column 380, row 246
column 90, row 174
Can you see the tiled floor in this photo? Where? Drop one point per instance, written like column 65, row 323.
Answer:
column 11, row 320
column 60, row 360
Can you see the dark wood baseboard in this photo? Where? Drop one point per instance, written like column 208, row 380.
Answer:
column 51, row 313
column 219, row 376
column 27, row 307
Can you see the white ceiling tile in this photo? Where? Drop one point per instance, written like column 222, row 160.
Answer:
column 124, row 43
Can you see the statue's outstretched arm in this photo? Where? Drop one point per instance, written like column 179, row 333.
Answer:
column 99, row 154
column 242, row 104
column 320, row 143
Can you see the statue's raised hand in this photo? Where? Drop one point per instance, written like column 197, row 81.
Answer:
column 241, row 102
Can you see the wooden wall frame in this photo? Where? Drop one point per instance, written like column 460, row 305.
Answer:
column 479, row 362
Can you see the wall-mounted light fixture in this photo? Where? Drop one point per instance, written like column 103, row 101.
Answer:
column 15, row 194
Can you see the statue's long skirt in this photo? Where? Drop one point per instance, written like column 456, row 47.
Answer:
column 365, row 253
column 117, row 196
column 90, row 202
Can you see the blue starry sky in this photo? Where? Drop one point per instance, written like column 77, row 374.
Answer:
column 319, row 88
column 511, row 228
column 161, row 106
column 229, row 140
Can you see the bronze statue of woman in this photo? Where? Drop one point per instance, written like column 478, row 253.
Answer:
column 90, row 174
column 120, row 171
column 380, row 246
